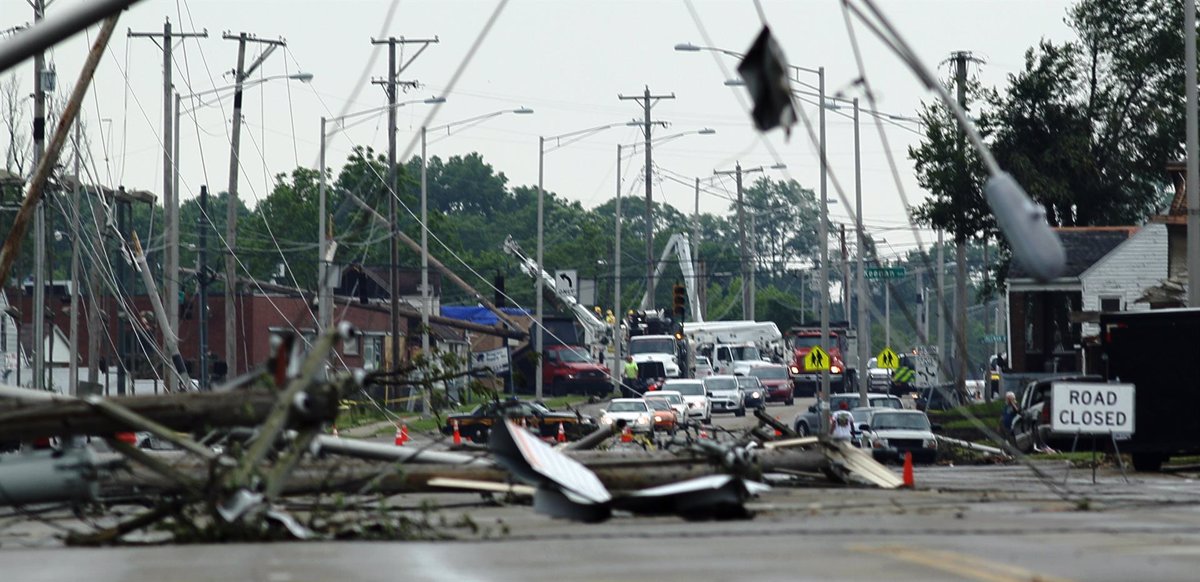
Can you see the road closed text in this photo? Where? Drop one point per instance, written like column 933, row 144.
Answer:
column 1085, row 407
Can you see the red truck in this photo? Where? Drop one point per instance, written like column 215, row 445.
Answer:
column 571, row 370
column 840, row 347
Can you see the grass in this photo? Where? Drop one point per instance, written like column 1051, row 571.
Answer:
column 362, row 413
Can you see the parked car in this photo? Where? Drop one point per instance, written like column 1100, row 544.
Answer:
column 665, row 418
column 636, row 413
column 878, row 379
column 674, row 400
column 892, row 433
column 776, row 381
column 937, row 398
column 477, row 424
column 703, row 368
column 806, row 423
column 754, row 393
column 725, row 394
column 1032, row 427
column 693, row 393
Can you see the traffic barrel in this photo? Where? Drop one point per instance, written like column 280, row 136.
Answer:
column 457, row 436
column 562, row 434
column 908, row 469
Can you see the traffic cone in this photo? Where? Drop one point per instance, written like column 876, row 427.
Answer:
column 404, row 432
column 562, row 434
column 457, row 436
column 399, row 437
column 908, row 469
column 627, row 435
column 778, row 432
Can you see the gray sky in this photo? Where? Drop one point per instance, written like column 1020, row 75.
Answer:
column 566, row 59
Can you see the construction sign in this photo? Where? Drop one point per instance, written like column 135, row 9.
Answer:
column 903, row 375
column 887, row 359
column 816, row 360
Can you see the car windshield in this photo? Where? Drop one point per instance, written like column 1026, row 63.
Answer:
column 720, row 383
column 807, row 341
column 861, row 414
column 741, row 353
column 575, row 356
column 747, row 381
column 770, row 373
column 629, row 406
column 702, row 361
column 658, row 404
column 668, row 398
column 652, row 346
column 883, row 421
column 886, row 403
column 687, row 388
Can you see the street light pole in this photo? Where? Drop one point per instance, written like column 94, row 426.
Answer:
column 864, row 324
column 541, row 267
column 619, row 315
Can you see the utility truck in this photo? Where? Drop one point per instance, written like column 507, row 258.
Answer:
column 734, row 347
column 842, row 347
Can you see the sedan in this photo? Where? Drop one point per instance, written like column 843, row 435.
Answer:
column 755, row 394
column 692, row 391
column 636, row 413
column 776, row 381
column 674, row 400
column 665, row 419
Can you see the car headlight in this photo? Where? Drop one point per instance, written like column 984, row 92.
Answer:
column 929, row 443
column 657, row 418
column 755, row 395
column 605, row 420
column 643, row 419
column 571, row 376
column 835, row 370
column 795, row 369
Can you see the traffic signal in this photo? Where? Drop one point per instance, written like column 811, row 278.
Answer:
column 679, row 302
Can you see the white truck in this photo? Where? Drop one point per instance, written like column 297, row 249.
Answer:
column 659, row 348
column 734, row 346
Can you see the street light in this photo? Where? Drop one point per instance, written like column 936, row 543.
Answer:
column 823, row 228
column 324, row 256
column 425, row 296
column 171, row 211
column 577, row 135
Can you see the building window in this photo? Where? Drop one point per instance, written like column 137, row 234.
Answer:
column 372, row 351
column 1110, row 304
column 350, row 346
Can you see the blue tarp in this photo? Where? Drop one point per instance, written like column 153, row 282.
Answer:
column 479, row 315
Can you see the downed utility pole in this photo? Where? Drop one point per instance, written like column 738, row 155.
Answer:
column 33, row 195
column 170, row 339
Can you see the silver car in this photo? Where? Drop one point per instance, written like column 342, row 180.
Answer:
column 726, row 394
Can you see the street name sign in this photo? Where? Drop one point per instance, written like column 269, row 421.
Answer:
column 874, row 273
column 1092, row 408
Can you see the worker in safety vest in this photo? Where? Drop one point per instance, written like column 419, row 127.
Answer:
column 630, row 373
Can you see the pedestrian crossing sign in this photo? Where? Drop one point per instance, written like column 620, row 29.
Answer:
column 887, row 359
column 816, row 360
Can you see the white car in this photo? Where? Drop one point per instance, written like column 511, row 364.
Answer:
column 693, row 393
column 726, row 394
column 636, row 413
column 673, row 399
column 703, row 369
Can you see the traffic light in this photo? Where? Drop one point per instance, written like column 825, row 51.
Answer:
column 679, row 303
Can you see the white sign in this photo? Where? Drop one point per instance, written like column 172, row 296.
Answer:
column 495, row 360
column 567, row 280
column 1092, row 408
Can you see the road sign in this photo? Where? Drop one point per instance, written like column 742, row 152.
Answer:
column 816, row 360
column 887, row 359
column 567, row 280
column 995, row 339
column 874, row 273
column 1092, row 408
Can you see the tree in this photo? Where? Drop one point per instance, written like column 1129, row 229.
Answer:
column 786, row 217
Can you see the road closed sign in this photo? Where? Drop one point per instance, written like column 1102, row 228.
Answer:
column 1092, row 408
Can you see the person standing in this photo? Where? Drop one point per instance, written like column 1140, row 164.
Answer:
column 630, row 374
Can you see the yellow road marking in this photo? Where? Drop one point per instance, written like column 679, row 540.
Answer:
column 967, row 566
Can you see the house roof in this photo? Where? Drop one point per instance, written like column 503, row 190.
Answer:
column 1084, row 245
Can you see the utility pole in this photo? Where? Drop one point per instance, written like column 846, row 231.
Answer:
column 647, row 100
column 860, row 283
column 618, row 315
column 960, row 242
column 753, row 260
column 1192, row 180
column 170, row 296
column 696, row 245
column 939, row 308
column 76, row 232
column 823, row 236
column 39, row 221
column 390, row 85
column 231, row 200
column 202, row 280
column 743, row 248
column 845, row 278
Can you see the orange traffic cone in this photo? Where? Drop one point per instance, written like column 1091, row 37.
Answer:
column 562, row 434
column 778, row 432
column 908, row 469
column 627, row 435
column 457, row 436
column 404, row 431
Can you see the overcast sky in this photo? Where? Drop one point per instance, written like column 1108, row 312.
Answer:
column 566, row 59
